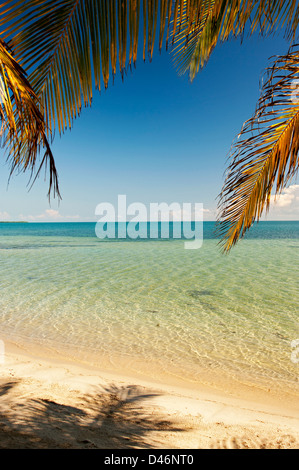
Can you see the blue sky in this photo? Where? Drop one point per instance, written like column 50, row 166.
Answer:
column 155, row 137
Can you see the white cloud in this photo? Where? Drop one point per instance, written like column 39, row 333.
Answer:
column 49, row 215
column 4, row 216
column 286, row 205
column 53, row 214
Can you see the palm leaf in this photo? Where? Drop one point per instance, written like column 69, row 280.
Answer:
column 201, row 30
column 216, row 21
column 70, row 47
column 22, row 124
column 265, row 157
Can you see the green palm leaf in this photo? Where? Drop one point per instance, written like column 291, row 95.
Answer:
column 265, row 157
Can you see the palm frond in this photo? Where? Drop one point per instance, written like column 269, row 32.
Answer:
column 202, row 28
column 269, row 16
column 70, row 47
column 216, row 21
column 265, row 157
column 22, row 124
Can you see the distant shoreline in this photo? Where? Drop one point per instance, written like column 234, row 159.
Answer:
column 13, row 222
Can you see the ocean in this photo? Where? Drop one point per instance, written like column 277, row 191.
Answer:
column 151, row 307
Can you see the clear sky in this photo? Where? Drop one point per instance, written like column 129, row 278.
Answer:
column 155, row 137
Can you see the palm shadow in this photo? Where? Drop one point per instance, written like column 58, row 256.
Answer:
column 6, row 387
column 112, row 418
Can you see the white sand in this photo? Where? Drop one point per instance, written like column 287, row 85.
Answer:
column 50, row 403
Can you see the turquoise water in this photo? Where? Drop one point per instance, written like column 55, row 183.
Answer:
column 152, row 307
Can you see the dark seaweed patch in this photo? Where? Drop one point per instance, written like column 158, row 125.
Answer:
column 199, row 293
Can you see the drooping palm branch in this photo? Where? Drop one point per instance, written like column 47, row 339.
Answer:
column 22, row 123
column 265, row 156
column 71, row 47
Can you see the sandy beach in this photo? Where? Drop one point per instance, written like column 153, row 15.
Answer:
column 50, row 403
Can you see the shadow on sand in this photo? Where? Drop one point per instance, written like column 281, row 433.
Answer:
column 112, row 418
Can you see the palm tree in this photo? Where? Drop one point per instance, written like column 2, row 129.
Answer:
column 71, row 47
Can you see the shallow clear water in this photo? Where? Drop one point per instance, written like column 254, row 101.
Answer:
column 152, row 306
